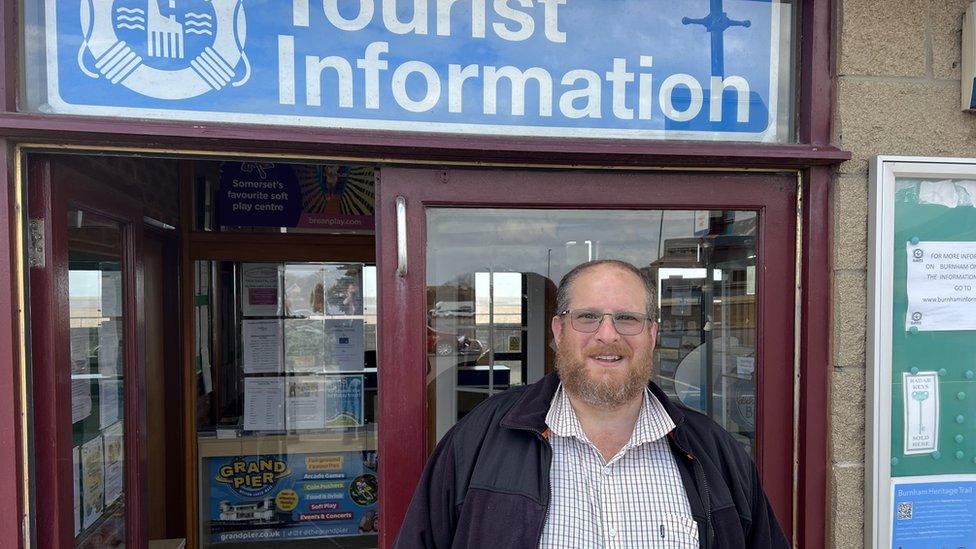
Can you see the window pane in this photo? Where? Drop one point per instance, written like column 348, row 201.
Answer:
column 286, row 394
column 491, row 285
column 95, row 297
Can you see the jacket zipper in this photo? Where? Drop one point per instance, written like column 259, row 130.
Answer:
column 548, row 466
column 703, row 482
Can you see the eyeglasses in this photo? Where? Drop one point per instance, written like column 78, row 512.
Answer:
column 588, row 321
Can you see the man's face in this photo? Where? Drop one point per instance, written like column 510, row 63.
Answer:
column 604, row 368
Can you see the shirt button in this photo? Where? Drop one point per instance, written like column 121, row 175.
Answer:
column 611, row 532
column 607, row 471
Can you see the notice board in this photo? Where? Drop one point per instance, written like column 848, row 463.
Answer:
column 921, row 420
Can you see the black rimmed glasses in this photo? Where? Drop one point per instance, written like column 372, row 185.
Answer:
column 588, row 321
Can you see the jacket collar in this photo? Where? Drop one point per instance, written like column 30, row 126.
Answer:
column 529, row 412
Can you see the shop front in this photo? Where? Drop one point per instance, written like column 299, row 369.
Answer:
column 264, row 255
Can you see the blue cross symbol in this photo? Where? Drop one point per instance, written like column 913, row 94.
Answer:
column 716, row 23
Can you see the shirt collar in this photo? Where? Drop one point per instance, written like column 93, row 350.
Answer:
column 653, row 422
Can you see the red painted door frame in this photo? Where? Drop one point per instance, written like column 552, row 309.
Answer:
column 51, row 194
column 402, row 302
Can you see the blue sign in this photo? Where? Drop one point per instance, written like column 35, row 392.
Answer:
column 292, row 496
column 642, row 69
column 929, row 515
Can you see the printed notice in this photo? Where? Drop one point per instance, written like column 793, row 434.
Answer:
column 306, row 403
column 260, row 294
column 304, row 345
column 941, row 280
column 921, row 411
column 109, row 400
column 109, row 345
column 262, row 346
column 92, row 481
column 264, row 404
column 934, row 514
column 346, row 345
column 81, row 400
column 114, row 463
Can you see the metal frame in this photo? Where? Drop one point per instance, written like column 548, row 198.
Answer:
column 883, row 170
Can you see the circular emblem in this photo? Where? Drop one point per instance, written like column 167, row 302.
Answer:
column 916, row 316
column 364, row 490
column 918, row 253
column 157, row 51
column 287, row 500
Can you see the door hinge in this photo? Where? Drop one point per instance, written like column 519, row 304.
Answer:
column 35, row 253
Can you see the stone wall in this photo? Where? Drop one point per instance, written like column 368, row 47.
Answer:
column 896, row 93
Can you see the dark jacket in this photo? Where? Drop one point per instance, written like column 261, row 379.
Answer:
column 487, row 482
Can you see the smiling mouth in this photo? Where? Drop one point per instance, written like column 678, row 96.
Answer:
column 607, row 358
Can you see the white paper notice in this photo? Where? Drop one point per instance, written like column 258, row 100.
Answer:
column 921, row 412
column 306, row 403
column 264, row 404
column 261, row 293
column 92, row 481
column 114, row 463
column 262, row 346
column 109, row 400
column 112, row 293
column 81, row 401
column 346, row 345
column 109, row 342
column 76, row 474
column 941, row 286
column 745, row 365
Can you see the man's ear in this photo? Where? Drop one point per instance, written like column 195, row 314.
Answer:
column 652, row 332
column 557, row 328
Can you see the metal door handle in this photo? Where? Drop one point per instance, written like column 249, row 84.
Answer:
column 401, row 218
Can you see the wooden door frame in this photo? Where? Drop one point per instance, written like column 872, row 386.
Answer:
column 50, row 199
column 401, row 349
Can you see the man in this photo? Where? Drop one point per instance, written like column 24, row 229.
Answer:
column 594, row 455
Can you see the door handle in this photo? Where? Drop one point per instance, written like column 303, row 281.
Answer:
column 401, row 224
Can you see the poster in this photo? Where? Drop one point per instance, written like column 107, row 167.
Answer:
column 344, row 401
column 305, row 345
column 941, row 284
column 304, row 289
column 111, row 291
column 264, row 404
column 109, row 401
column 109, row 347
column 937, row 512
column 114, row 462
column 76, row 481
column 92, row 481
column 920, row 402
column 261, row 343
column 81, row 400
column 296, row 496
column 305, row 402
column 343, row 289
column 260, row 291
column 346, row 345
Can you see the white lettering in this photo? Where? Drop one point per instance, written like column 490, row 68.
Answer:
column 666, row 97
column 526, row 24
column 644, row 87
column 455, row 84
column 433, row 82
column 417, row 24
column 313, row 79
column 741, row 93
column 444, row 16
column 331, row 8
column 553, row 34
column 591, row 93
column 286, row 70
column 518, row 80
column 619, row 77
column 299, row 13
column 372, row 65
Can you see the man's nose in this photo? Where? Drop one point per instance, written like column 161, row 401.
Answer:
column 607, row 332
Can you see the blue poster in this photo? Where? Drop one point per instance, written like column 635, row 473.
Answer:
column 642, row 69
column 934, row 515
column 294, row 496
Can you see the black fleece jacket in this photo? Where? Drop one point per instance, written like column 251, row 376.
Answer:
column 487, row 482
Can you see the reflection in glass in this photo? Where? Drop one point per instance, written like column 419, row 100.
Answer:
column 95, row 302
column 491, row 285
column 286, row 403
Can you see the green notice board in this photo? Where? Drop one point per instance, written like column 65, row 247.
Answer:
column 933, row 215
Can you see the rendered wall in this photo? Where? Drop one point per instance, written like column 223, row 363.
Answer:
column 897, row 92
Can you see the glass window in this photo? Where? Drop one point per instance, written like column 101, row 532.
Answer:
column 95, row 297
column 491, row 290
column 286, row 403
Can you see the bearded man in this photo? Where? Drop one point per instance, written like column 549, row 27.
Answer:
column 594, row 454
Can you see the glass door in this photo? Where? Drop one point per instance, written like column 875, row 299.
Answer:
column 88, row 418
column 485, row 251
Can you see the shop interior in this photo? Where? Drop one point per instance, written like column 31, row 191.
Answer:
column 222, row 341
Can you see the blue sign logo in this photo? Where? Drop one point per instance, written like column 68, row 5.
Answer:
column 643, row 69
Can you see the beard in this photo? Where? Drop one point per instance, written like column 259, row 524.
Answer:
column 610, row 391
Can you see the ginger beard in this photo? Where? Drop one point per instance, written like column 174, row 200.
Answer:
column 610, row 389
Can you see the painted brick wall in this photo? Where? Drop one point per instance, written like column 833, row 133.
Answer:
column 897, row 92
